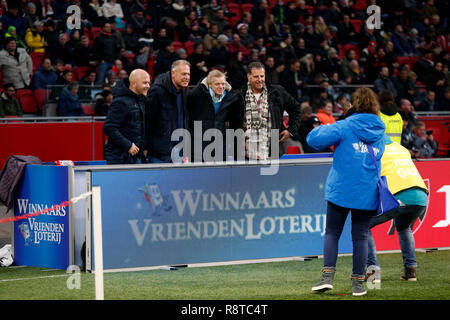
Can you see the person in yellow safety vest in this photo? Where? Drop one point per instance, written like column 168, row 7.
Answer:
column 407, row 186
column 390, row 116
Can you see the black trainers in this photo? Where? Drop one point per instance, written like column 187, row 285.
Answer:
column 358, row 288
column 409, row 274
column 326, row 282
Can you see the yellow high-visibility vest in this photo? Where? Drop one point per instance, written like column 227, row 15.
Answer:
column 394, row 126
column 399, row 169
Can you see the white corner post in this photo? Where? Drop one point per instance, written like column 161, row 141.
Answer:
column 98, row 243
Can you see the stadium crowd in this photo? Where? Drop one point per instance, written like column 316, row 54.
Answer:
column 318, row 50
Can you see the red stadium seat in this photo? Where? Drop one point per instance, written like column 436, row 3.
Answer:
column 37, row 58
column 310, row 9
column 41, row 97
column 293, row 150
column 189, row 47
column 88, row 110
column 27, row 100
column 246, row 7
column 94, row 32
column 79, row 72
column 349, row 46
column 357, row 24
column 177, row 45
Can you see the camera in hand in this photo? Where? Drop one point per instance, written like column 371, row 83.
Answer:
column 428, row 132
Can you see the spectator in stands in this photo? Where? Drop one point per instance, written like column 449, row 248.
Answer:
column 236, row 45
column 384, row 83
column 103, row 104
column 428, row 103
column 346, row 31
column 292, row 80
column 11, row 18
column 350, row 138
column 213, row 103
column 423, row 144
column 31, row 16
column 436, row 81
column 167, row 111
column 236, row 73
column 245, row 37
column 44, row 9
column 261, row 109
column 138, row 22
column 111, row 78
column 131, row 39
column 444, row 103
column 44, row 76
column 9, row 105
column 356, row 73
column 325, row 113
column 350, row 55
column 112, row 8
column 69, row 104
column 59, row 8
column 87, row 83
column 12, row 33
column 125, row 121
column 166, row 56
column 404, row 86
column 16, row 65
column 390, row 116
column 35, row 39
column 401, row 44
column 424, row 65
column 62, row 81
column 308, row 122
column 219, row 53
column 199, row 63
column 62, row 50
column 83, row 54
column 94, row 12
column 412, row 192
column 105, row 46
column 272, row 71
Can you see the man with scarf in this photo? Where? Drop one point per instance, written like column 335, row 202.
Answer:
column 261, row 110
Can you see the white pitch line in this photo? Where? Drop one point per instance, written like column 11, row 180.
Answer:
column 20, row 279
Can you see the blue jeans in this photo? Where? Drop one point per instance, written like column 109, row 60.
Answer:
column 151, row 159
column 336, row 217
column 404, row 218
column 101, row 71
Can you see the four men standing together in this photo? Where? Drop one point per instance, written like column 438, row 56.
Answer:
column 141, row 122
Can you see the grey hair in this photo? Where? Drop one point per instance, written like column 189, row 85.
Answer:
column 178, row 63
column 215, row 74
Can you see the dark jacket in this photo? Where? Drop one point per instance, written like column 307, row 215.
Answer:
column 201, row 108
column 279, row 100
column 124, row 125
column 105, row 47
column 43, row 78
column 69, row 105
column 162, row 116
column 11, row 175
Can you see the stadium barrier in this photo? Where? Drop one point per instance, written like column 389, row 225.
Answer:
column 196, row 213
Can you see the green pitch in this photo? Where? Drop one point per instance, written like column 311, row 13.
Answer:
column 290, row 280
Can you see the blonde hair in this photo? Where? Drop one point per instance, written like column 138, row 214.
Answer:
column 365, row 101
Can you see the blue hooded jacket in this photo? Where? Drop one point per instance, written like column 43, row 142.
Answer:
column 69, row 105
column 352, row 180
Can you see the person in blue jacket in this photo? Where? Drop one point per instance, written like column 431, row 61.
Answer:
column 69, row 104
column 351, row 184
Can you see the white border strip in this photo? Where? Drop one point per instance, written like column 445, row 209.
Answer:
column 98, row 242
